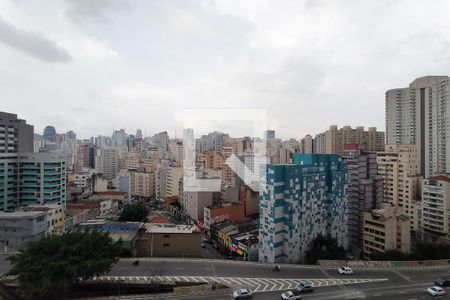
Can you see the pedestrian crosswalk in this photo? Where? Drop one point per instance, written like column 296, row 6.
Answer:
column 255, row 284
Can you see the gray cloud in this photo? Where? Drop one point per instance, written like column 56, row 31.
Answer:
column 32, row 43
column 87, row 10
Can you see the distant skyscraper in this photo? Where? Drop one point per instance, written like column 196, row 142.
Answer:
column 419, row 115
column 301, row 201
column 139, row 134
column 162, row 140
column 119, row 137
column 49, row 133
column 70, row 135
column 269, row 135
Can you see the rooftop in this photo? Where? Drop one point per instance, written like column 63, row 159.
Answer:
column 169, row 228
column 20, row 214
column 441, row 178
column 112, row 193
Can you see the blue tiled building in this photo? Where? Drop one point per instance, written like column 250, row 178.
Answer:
column 298, row 202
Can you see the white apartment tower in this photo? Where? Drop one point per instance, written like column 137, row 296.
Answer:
column 420, row 115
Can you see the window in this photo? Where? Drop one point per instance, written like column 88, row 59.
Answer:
column 166, row 236
column 166, row 245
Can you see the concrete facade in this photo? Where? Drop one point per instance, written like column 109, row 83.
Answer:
column 398, row 166
column 386, row 229
column 169, row 240
column 22, row 227
column 436, row 206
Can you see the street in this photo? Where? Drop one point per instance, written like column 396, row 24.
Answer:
column 363, row 284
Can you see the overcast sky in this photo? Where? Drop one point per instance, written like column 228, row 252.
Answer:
column 87, row 65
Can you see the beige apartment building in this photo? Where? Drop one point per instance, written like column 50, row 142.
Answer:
column 151, row 162
column 386, row 229
column 130, row 161
column 436, row 206
column 169, row 240
column 398, row 166
column 144, row 184
column 173, row 176
column 335, row 138
column 213, row 160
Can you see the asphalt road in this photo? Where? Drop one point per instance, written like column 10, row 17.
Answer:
column 405, row 284
column 400, row 284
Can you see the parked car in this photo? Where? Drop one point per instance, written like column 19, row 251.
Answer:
column 242, row 294
column 435, row 291
column 289, row 295
column 345, row 271
column 443, row 282
column 304, row 288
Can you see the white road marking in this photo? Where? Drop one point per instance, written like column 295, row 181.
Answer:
column 256, row 284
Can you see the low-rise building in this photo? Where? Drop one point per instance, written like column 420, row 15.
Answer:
column 55, row 217
column 386, row 229
column 169, row 240
column 19, row 228
column 237, row 238
column 233, row 211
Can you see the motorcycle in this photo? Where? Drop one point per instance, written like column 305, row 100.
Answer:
column 276, row 269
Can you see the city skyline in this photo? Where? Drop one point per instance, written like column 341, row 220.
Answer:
column 119, row 67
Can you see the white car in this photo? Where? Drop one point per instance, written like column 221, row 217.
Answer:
column 289, row 296
column 435, row 291
column 345, row 271
column 242, row 294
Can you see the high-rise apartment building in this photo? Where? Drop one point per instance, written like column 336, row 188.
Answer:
column 436, row 206
column 419, row 115
column 364, row 192
column 144, row 184
column 299, row 202
column 398, row 166
column 213, row 141
column 107, row 162
column 42, row 179
column 162, row 140
column 32, row 179
column 335, row 138
column 27, row 178
column 15, row 134
column 307, row 144
column 319, row 143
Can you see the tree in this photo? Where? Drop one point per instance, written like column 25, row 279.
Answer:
column 50, row 267
column 324, row 248
column 392, row 255
column 134, row 213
